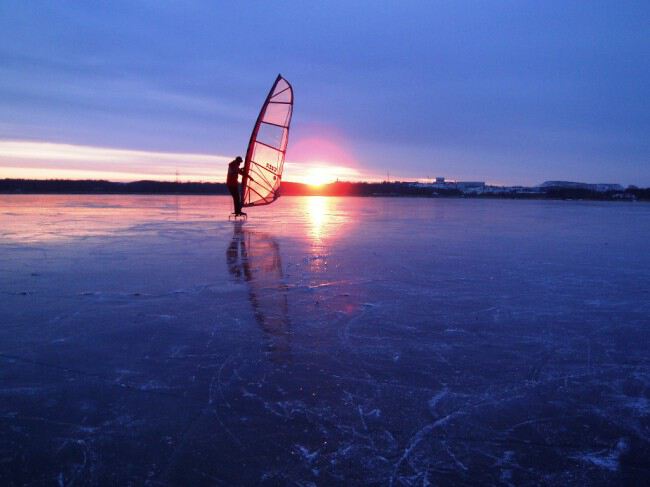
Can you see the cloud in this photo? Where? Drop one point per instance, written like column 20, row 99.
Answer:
column 48, row 160
column 44, row 160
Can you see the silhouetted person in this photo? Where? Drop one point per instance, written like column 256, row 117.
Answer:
column 233, row 185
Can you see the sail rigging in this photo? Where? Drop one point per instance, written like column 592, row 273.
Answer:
column 267, row 147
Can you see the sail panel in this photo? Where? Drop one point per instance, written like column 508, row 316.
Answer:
column 283, row 96
column 282, row 91
column 267, row 157
column 271, row 135
column 267, row 147
column 278, row 114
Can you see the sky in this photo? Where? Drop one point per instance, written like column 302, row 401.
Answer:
column 507, row 92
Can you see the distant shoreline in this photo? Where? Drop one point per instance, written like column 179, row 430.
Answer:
column 384, row 189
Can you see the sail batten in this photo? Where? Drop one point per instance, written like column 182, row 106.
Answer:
column 267, row 147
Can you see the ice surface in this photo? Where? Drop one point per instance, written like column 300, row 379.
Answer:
column 326, row 341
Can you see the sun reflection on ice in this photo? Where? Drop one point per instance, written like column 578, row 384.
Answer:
column 319, row 216
column 325, row 222
column 326, row 219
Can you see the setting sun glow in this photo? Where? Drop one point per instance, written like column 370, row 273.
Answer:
column 320, row 175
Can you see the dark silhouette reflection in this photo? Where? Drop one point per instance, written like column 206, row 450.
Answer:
column 255, row 257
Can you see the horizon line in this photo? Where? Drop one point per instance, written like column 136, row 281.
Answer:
column 338, row 181
column 29, row 159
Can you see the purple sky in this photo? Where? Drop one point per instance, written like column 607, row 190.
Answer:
column 507, row 92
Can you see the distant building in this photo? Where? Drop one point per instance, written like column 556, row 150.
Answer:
column 608, row 187
column 470, row 185
column 601, row 187
column 463, row 186
column 564, row 185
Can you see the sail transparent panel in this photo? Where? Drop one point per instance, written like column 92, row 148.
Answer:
column 265, row 156
column 270, row 135
column 282, row 96
column 281, row 91
column 277, row 113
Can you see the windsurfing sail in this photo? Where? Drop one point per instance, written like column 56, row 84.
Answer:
column 267, row 147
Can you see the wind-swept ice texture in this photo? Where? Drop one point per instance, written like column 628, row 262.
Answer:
column 324, row 342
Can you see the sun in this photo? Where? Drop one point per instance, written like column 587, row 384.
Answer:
column 320, row 175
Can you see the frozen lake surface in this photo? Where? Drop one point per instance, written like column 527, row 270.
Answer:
column 327, row 341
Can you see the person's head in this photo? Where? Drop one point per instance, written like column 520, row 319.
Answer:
column 238, row 160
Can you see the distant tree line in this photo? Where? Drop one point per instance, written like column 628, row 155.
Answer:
column 580, row 194
column 66, row 186
column 640, row 193
column 344, row 188
column 339, row 188
column 629, row 194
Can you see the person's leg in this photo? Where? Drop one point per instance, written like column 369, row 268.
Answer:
column 239, row 200
column 234, row 192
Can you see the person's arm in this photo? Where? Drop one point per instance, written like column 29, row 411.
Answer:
column 241, row 171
